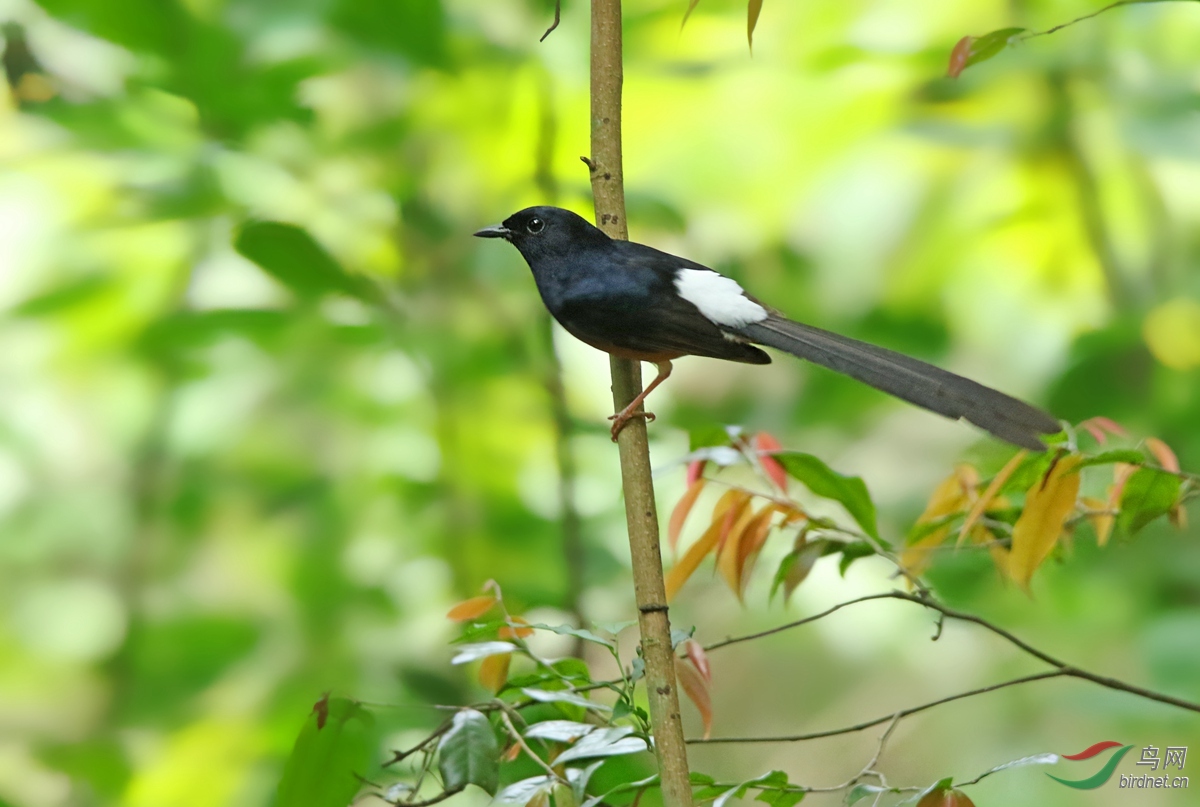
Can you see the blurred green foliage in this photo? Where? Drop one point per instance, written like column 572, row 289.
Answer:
column 266, row 410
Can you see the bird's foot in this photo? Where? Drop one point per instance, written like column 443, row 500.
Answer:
column 624, row 416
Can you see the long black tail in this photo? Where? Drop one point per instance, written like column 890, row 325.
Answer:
column 907, row 378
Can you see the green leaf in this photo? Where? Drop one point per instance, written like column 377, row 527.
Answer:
column 468, row 753
column 861, row 792
column 852, row 552
column 1148, row 494
column 291, row 256
column 707, row 437
column 849, row 491
column 562, row 696
column 988, row 45
column 679, row 635
column 606, row 742
column 578, row 633
column 330, row 756
column 780, row 798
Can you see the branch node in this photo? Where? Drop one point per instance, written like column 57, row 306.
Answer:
column 653, row 608
column 591, row 165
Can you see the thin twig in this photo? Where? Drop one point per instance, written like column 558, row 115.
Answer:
column 912, row 710
column 445, row 794
column 1096, row 13
column 795, row 624
column 519, row 740
column 869, row 768
column 557, row 17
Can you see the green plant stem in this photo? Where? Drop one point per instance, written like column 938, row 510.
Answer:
column 640, row 512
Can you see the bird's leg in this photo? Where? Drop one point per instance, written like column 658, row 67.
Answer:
column 627, row 414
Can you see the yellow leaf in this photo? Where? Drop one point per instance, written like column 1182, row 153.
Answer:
column 681, row 571
column 752, row 543
column 1047, row 505
column 680, row 513
column 696, row 687
column 753, row 9
column 472, row 608
column 493, row 671
column 982, row 503
column 949, row 497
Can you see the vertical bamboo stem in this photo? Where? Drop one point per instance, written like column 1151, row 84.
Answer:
column 641, row 516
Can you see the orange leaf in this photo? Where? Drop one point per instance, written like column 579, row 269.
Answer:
column 493, row 671
column 1101, row 520
column 687, row 565
column 763, row 444
column 1047, row 505
column 958, row 56
column 753, row 9
column 731, row 516
column 1163, row 453
column 752, row 543
column 694, row 471
column 696, row 687
column 472, row 608
column 730, row 558
column 515, row 631
column 981, row 504
column 680, row 513
column 695, row 652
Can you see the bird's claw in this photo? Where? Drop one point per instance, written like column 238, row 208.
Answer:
column 621, row 418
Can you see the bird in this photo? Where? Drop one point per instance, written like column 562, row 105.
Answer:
column 636, row 302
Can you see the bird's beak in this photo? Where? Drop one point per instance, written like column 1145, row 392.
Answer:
column 495, row 231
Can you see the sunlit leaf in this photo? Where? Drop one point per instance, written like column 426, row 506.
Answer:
column 561, row 731
column 471, row 609
column 753, row 9
column 680, row 513
column 330, row 757
column 1047, row 506
column 696, row 687
column 493, row 672
column 480, row 650
column 468, row 753
column 849, row 491
column 950, row 496
column 604, row 742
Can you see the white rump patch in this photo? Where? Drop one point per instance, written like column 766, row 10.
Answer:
column 719, row 298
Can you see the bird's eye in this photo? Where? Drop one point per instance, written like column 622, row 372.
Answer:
column 535, row 226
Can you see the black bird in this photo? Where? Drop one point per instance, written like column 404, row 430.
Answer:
column 636, row 302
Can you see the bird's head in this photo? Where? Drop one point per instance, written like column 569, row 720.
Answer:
column 545, row 232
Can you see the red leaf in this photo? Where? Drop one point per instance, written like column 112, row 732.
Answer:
column 695, row 652
column 695, row 470
column 1163, row 453
column 958, row 56
column 764, row 444
column 696, row 687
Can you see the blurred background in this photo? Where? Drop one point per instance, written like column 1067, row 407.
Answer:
column 243, row 463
